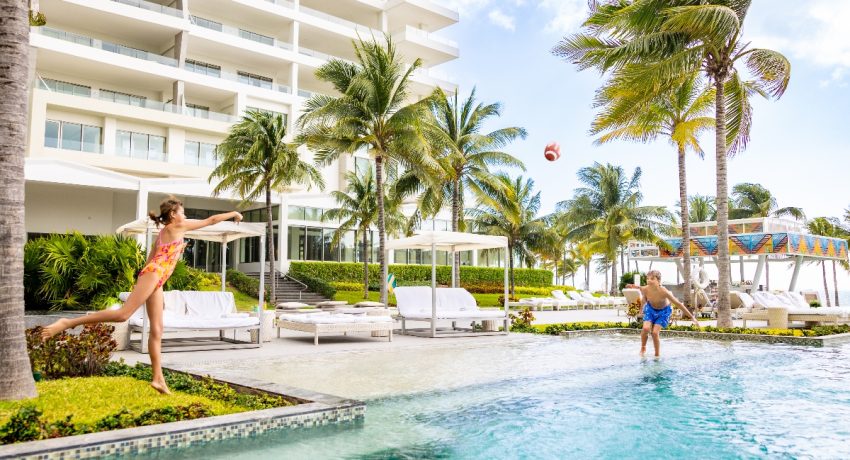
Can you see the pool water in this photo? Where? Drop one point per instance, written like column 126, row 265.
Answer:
column 582, row 398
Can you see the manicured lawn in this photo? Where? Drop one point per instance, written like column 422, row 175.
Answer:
column 89, row 399
column 352, row 297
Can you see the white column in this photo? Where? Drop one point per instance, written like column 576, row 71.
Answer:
column 283, row 234
column 262, row 293
column 798, row 262
column 224, row 264
column 295, row 38
column 759, row 269
column 384, row 21
column 433, row 290
column 110, row 131
column 175, row 146
column 475, row 257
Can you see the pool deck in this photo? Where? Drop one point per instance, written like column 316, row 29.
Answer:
column 294, row 344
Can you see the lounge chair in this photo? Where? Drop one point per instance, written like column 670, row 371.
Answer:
column 327, row 323
column 453, row 304
column 796, row 311
column 583, row 301
column 196, row 311
column 536, row 303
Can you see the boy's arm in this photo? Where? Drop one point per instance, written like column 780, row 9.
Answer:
column 680, row 305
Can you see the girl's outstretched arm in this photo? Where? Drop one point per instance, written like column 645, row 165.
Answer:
column 194, row 224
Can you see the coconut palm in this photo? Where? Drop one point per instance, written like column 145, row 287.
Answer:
column 371, row 113
column 358, row 209
column 655, row 43
column 680, row 115
column 510, row 210
column 606, row 213
column 753, row 201
column 831, row 227
column 701, row 208
column 254, row 161
column 455, row 132
column 16, row 380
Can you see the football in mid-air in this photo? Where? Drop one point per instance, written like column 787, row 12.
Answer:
column 552, row 151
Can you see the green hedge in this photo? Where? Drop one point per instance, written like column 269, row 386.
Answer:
column 318, row 285
column 350, row 272
column 246, row 284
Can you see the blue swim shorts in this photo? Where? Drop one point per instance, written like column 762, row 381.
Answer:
column 660, row 317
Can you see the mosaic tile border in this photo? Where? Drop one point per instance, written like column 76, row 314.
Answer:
column 319, row 409
column 826, row 340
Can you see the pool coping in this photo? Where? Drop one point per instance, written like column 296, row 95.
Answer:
column 319, row 409
column 822, row 341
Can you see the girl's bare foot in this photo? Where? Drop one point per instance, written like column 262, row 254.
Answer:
column 642, row 352
column 55, row 328
column 161, row 387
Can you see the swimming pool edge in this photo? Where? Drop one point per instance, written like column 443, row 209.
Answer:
column 319, row 409
column 826, row 340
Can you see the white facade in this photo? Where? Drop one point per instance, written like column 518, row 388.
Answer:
column 130, row 97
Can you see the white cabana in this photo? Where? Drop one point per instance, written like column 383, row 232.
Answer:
column 222, row 232
column 450, row 241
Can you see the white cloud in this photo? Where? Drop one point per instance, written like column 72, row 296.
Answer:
column 567, row 15
column 816, row 32
column 501, row 19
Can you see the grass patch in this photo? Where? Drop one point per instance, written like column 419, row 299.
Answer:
column 89, row 399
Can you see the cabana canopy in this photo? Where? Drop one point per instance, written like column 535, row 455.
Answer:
column 448, row 241
column 221, row 232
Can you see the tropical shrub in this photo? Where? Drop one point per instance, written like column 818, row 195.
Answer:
column 351, row 272
column 521, row 322
column 245, row 284
column 68, row 355
column 814, row 304
column 74, row 272
column 186, row 278
column 629, row 278
column 319, row 286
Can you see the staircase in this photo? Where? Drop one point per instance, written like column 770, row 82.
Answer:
column 288, row 290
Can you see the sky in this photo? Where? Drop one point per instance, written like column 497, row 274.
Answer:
column 799, row 148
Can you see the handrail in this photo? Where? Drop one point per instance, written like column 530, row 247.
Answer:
column 303, row 286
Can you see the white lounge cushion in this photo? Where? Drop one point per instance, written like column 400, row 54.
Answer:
column 413, row 299
column 292, row 305
column 458, row 314
column 368, row 303
column 187, row 322
column 209, row 304
column 455, row 299
column 798, row 299
column 331, row 303
column 747, row 301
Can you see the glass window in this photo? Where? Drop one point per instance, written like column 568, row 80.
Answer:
column 400, row 256
column 122, row 98
column 208, row 154
column 331, row 253
column 122, row 143
column 361, row 165
column 91, row 139
column 139, row 143
column 259, row 38
column 67, row 88
column 296, row 212
column 314, row 244
column 51, row 134
column 156, row 148
column 313, row 214
column 255, row 80
column 296, row 243
column 195, row 110
column 72, row 136
column 191, row 151
column 203, row 68
column 346, row 244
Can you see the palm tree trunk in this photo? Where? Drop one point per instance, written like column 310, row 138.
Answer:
column 16, row 380
column 587, row 276
column 614, row 282
column 574, row 279
column 270, row 243
column 622, row 261
column 825, row 285
column 835, row 284
column 686, row 231
column 379, row 186
column 365, row 263
column 724, row 312
column 455, row 225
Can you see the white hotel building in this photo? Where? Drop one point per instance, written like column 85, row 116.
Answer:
column 129, row 99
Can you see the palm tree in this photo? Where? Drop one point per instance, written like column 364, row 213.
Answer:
column 680, row 116
column 753, row 201
column 16, row 380
column 255, row 160
column 372, row 113
column 455, row 134
column 655, row 43
column 606, row 213
column 551, row 249
column 831, row 227
column 701, row 208
column 358, row 209
column 510, row 210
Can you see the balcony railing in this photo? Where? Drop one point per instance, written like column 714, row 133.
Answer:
column 283, row 3
column 429, row 36
column 243, row 81
column 361, row 29
column 106, row 46
column 152, row 105
column 150, row 6
column 241, row 33
column 320, row 55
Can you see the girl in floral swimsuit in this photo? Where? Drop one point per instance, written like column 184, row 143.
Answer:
column 148, row 289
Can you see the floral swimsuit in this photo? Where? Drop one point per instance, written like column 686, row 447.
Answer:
column 164, row 260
